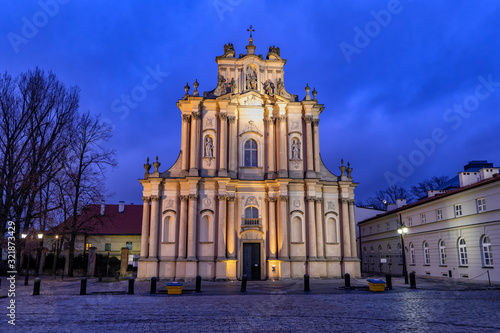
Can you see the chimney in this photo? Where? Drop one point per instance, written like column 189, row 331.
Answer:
column 391, row 206
column 400, row 203
column 121, row 206
column 103, row 206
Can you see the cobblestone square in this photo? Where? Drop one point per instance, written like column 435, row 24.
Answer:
column 266, row 306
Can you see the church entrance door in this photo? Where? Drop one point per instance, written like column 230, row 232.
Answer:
column 251, row 260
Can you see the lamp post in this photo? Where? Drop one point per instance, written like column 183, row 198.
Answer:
column 39, row 248
column 402, row 231
column 55, row 246
column 26, row 277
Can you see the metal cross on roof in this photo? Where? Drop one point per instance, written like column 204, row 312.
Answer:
column 251, row 29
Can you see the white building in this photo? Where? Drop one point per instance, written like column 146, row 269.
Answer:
column 249, row 193
column 454, row 232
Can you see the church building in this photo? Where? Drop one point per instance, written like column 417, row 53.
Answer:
column 249, row 193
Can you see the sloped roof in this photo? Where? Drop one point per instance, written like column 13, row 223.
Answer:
column 128, row 222
column 496, row 178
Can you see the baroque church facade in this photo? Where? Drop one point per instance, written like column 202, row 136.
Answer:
column 249, row 193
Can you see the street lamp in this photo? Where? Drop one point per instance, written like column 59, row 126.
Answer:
column 402, row 231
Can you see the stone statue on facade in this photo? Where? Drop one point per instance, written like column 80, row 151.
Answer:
column 280, row 87
column 221, row 85
column 209, row 147
column 156, row 165
column 251, row 78
column 269, row 87
column 234, row 87
column 295, row 149
column 349, row 170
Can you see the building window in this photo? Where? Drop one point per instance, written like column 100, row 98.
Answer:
column 206, row 229
column 427, row 258
column 481, row 205
column 250, row 153
column 88, row 246
column 412, row 254
column 442, row 253
column 371, row 230
column 372, row 255
column 331, row 230
column 423, row 218
column 486, row 251
column 400, row 254
column 439, row 214
column 297, row 230
column 458, row 210
column 251, row 216
column 388, row 226
column 378, row 227
column 462, row 252
column 410, row 221
column 129, row 245
column 107, row 247
column 380, row 253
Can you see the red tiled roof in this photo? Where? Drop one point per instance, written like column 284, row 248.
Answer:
column 436, row 197
column 129, row 222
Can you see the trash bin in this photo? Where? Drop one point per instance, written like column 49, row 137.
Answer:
column 174, row 288
column 376, row 284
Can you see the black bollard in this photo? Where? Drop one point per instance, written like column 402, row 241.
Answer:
column 83, row 286
column 388, row 280
column 347, row 280
column 153, row 285
column 36, row 287
column 198, row 284
column 413, row 285
column 244, row 283
column 306, row 283
column 0, row 283
column 131, row 286
column 26, row 278
column 100, row 277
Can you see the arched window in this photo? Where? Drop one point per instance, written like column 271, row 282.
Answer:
column 486, row 251
column 427, row 258
column 412, row 254
column 389, row 256
column 379, row 253
column 331, row 230
column 251, row 216
column 462, row 252
column 206, row 229
column 372, row 255
column 297, row 230
column 442, row 252
column 250, row 153
column 168, row 230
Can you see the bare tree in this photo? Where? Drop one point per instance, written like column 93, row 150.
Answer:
column 84, row 165
column 389, row 195
column 36, row 110
column 420, row 190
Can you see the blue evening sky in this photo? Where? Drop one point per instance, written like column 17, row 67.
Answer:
column 411, row 88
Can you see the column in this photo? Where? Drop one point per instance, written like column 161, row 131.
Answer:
column 186, row 119
column 231, row 253
column 346, row 238
column 145, row 227
column 223, row 146
column 283, row 173
column 352, row 225
column 283, row 229
column 309, row 142
column 271, row 149
column 221, row 241
column 182, row 227
column 155, row 214
column 316, row 145
column 193, row 158
column 311, row 222
column 320, row 241
column 232, row 144
column 272, row 228
column 192, row 218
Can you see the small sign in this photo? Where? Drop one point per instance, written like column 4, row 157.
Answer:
column 383, row 261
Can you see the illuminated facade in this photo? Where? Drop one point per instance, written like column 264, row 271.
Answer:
column 248, row 193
